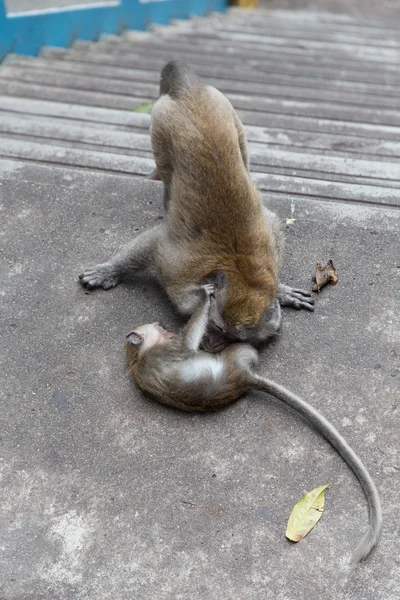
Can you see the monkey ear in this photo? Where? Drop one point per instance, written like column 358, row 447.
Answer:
column 134, row 338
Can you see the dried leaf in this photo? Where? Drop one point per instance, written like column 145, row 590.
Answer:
column 306, row 513
column 325, row 273
column 147, row 107
column 245, row 3
column 290, row 221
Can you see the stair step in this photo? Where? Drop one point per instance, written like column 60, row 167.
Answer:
column 318, row 95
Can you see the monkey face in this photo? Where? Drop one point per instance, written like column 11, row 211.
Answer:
column 146, row 336
column 268, row 326
column 219, row 334
column 167, row 335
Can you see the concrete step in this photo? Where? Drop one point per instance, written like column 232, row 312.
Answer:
column 320, row 117
column 229, row 63
column 272, row 170
column 104, row 78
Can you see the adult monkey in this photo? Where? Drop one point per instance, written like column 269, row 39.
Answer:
column 216, row 228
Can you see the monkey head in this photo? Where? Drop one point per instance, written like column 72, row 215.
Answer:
column 144, row 337
column 221, row 331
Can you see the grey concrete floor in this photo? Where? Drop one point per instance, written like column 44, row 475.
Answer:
column 106, row 495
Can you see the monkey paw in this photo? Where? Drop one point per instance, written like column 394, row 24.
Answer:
column 295, row 298
column 208, row 289
column 102, row 275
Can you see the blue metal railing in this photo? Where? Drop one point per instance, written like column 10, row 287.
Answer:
column 26, row 33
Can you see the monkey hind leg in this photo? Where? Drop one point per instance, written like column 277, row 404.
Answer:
column 294, row 297
column 244, row 151
column 244, row 355
column 163, row 122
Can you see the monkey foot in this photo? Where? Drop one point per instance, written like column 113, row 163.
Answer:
column 295, row 298
column 102, row 275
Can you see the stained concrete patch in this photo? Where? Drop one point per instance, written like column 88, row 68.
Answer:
column 107, row 496
column 70, row 535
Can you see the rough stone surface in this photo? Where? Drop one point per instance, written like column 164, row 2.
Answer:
column 107, row 496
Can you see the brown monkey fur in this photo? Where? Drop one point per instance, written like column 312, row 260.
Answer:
column 215, row 224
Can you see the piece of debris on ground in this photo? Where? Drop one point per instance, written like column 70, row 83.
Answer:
column 325, row 273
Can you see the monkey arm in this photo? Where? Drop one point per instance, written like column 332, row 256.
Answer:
column 136, row 256
column 196, row 327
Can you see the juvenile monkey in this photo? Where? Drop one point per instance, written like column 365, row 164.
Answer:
column 172, row 370
column 215, row 220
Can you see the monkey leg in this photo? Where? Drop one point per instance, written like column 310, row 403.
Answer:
column 136, row 256
column 155, row 175
column 161, row 144
column 242, row 141
column 244, row 355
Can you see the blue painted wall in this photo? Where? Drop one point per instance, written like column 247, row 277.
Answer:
column 26, row 33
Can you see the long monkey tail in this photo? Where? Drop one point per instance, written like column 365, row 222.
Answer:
column 328, row 431
column 176, row 77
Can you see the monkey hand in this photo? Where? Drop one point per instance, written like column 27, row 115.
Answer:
column 102, row 275
column 208, row 289
column 295, row 298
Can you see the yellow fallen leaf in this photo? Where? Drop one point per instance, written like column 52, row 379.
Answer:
column 306, row 513
column 290, row 221
column 147, row 107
